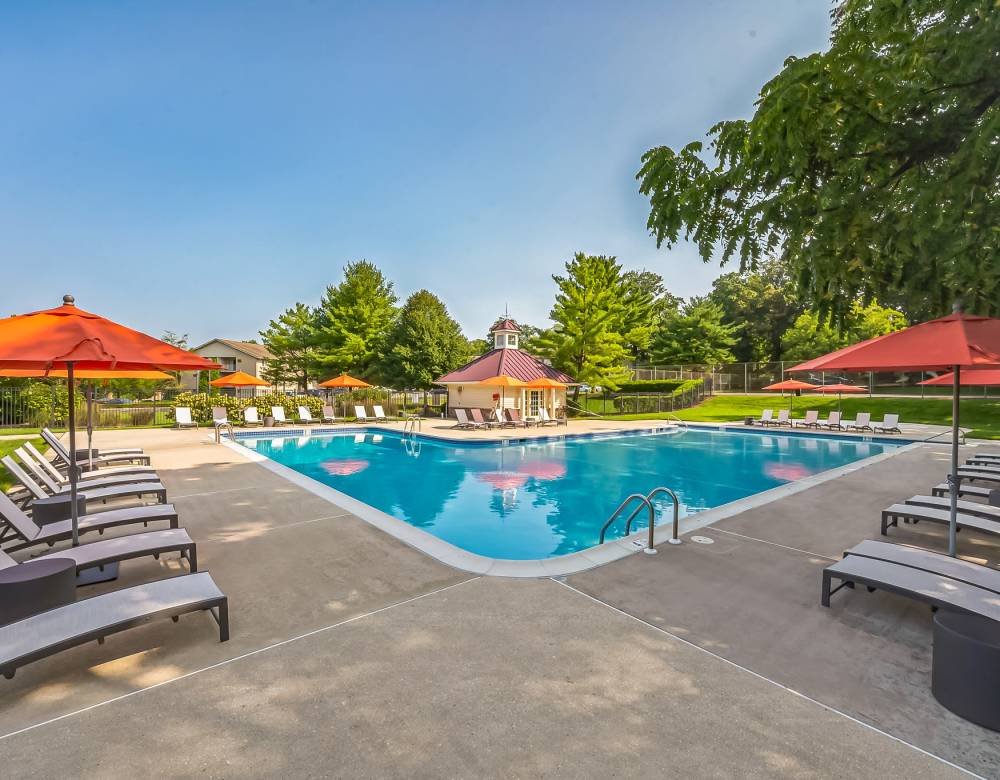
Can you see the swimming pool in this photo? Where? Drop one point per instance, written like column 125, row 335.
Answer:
column 529, row 500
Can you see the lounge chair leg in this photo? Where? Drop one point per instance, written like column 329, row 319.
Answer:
column 175, row 618
column 222, row 618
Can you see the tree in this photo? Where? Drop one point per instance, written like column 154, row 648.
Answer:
column 646, row 303
column 353, row 321
column 425, row 343
column 695, row 335
column 763, row 304
column 811, row 337
column 587, row 340
column 177, row 340
column 290, row 339
column 872, row 168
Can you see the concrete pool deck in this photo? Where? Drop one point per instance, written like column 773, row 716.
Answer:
column 355, row 655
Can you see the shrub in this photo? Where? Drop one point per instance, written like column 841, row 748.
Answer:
column 653, row 385
column 201, row 405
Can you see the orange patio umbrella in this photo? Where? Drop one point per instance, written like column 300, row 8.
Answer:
column 73, row 339
column 839, row 389
column 239, row 379
column 543, row 383
column 949, row 343
column 502, row 381
column 344, row 380
column 791, row 385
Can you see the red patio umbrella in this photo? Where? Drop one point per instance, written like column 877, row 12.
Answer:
column 70, row 338
column 791, row 385
column 981, row 378
column 950, row 343
column 841, row 388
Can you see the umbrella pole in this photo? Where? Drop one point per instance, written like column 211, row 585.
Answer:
column 955, row 479
column 74, row 518
column 90, row 426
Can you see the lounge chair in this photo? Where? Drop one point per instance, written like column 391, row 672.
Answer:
column 965, row 489
column 59, row 483
column 220, row 416
column 832, row 421
column 182, row 417
column 122, row 548
column 305, row 416
column 464, row 421
column 379, row 415
column 500, row 421
column 103, row 493
column 765, row 417
column 862, row 423
column 329, row 416
column 361, row 415
column 19, row 532
column 278, row 413
column 479, row 420
column 87, row 476
column 930, row 561
column 937, row 589
column 811, row 420
column 784, row 418
column 974, row 508
column 913, row 513
column 514, row 416
column 111, row 451
column 889, row 424
column 58, row 629
column 106, row 458
column 987, row 456
column 251, row 417
column 984, row 473
column 544, row 419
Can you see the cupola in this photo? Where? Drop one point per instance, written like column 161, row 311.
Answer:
column 505, row 334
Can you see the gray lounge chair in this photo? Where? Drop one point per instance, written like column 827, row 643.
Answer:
column 329, row 416
column 966, row 507
column 122, row 548
column 937, row 580
column 463, row 420
column 111, row 451
column 514, row 416
column 60, row 473
column 102, row 459
column 982, row 473
column 861, row 423
column 765, row 417
column 833, row 420
column 965, row 489
column 811, row 420
column 938, row 590
column 94, row 479
column 784, row 418
column 19, row 532
column 913, row 513
column 55, row 630
column 933, row 562
column 137, row 489
column 889, row 424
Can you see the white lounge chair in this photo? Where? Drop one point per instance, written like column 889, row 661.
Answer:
column 305, row 416
column 278, row 413
column 811, row 420
column 329, row 416
column 251, row 416
column 832, row 421
column 182, row 417
column 361, row 415
column 379, row 415
column 544, row 419
column 862, row 423
column 889, row 424
column 219, row 416
column 783, row 418
column 765, row 417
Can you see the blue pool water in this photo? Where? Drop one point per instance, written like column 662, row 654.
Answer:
column 548, row 498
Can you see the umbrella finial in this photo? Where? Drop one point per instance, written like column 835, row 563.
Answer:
column 69, row 300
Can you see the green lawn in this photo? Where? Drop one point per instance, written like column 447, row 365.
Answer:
column 980, row 418
column 7, row 446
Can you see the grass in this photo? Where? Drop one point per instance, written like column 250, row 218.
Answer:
column 7, row 447
column 981, row 418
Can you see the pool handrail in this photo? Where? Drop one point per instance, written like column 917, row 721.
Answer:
column 674, row 538
column 621, row 507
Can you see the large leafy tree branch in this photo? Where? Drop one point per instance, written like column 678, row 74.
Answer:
column 871, row 169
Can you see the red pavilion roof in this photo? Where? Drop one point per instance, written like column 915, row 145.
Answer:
column 510, row 362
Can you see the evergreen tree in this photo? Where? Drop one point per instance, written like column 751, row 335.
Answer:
column 353, row 321
column 290, row 340
column 424, row 343
column 588, row 340
column 695, row 335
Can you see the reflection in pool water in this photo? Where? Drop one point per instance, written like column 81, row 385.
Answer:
column 547, row 498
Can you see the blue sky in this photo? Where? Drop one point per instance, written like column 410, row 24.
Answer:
column 201, row 166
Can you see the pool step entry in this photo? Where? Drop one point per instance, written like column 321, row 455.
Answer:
column 646, row 501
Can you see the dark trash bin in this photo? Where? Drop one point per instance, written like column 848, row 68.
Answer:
column 36, row 586
column 965, row 674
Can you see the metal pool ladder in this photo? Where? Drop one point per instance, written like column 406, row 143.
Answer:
column 647, row 501
column 218, row 431
column 412, row 424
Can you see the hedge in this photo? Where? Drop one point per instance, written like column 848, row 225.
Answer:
column 653, row 385
column 201, row 405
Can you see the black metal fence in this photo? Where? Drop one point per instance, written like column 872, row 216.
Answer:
column 608, row 403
